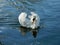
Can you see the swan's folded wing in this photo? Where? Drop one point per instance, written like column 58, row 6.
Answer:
column 27, row 22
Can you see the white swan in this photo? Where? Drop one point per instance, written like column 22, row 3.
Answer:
column 32, row 22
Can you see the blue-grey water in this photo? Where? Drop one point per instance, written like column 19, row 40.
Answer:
column 12, row 34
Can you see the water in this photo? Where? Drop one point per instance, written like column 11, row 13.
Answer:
column 12, row 34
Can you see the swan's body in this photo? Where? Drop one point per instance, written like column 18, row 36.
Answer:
column 32, row 22
column 23, row 20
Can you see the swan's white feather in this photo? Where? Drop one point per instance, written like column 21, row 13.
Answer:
column 24, row 21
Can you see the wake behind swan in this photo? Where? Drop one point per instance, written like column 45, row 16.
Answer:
column 32, row 22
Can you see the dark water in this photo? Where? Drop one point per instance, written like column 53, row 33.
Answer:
column 12, row 34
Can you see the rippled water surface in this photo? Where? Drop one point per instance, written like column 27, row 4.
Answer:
column 12, row 34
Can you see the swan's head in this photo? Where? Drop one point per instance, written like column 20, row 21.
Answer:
column 33, row 14
column 33, row 17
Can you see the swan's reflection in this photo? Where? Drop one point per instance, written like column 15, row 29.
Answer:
column 34, row 33
column 24, row 30
column 1, row 43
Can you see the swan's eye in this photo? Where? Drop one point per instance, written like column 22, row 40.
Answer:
column 33, row 19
